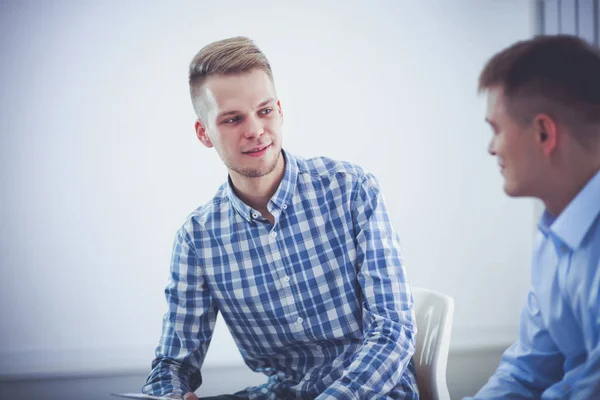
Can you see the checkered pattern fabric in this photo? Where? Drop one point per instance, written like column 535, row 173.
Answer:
column 318, row 301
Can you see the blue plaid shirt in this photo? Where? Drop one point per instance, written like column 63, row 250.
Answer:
column 318, row 301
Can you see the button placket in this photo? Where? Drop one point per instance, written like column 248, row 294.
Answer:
column 287, row 295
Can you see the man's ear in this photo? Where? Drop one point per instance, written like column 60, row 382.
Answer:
column 280, row 110
column 202, row 134
column 546, row 133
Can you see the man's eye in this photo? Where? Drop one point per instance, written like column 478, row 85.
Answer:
column 231, row 120
column 266, row 111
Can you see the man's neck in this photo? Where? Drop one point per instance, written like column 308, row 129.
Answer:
column 567, row 185
column 256, row 192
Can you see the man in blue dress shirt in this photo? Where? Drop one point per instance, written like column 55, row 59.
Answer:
column 544, row 109
column 298, row 256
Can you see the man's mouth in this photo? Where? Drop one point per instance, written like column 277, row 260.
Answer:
column 259, row 150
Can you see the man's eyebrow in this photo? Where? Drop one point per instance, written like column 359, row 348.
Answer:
column 264, row 103
column 232, row 112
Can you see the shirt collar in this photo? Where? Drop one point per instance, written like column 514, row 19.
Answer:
column 575, row 221
column 282, row 196
column 287, row 187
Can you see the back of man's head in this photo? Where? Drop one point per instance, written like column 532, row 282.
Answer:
column 556, row 75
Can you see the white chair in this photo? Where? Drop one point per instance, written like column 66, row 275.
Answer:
column 434, row 313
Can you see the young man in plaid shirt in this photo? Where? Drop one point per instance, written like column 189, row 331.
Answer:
column 298, row 255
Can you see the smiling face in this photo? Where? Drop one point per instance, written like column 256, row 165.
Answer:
column 242, row 121
column 515, row 146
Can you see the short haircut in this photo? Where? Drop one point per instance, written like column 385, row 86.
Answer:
column 235, row 55
column 558, row 75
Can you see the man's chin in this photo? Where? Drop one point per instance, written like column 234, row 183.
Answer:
column 253, row 173
column 512, row 190
column 256, row 172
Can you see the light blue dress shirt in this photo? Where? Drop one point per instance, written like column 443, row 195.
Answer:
column 557, row 355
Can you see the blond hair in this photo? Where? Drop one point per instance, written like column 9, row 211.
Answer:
column 236, row 55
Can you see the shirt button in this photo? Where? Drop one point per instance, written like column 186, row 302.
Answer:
column 254, row 215
column 286, row 278
column 299, row 320
column 284, row 206
column 273, row 234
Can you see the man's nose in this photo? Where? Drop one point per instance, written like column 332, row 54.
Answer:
column 492, row 147
column 253, row 128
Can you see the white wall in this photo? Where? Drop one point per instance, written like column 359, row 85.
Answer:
column 100, row 165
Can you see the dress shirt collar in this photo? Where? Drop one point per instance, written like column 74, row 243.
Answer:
column 282, row 196
column 571, row 226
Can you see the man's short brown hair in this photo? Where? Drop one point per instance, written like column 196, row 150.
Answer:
column 235, row 55
column 557, row 75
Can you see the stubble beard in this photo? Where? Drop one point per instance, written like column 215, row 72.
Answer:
column 256, row 172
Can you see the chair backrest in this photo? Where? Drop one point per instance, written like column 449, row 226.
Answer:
column 434, row 312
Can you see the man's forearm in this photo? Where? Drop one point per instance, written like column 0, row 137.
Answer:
column 377, row 367
column 170, row 377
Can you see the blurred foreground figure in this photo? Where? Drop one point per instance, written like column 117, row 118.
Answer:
column 544, row 109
